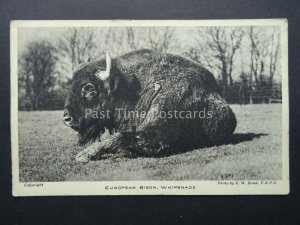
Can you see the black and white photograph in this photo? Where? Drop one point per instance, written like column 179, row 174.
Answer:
column 149, row 107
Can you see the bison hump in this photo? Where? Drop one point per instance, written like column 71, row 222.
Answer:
column 151, row 66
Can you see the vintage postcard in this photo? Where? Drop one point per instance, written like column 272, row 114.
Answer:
column 140, row 107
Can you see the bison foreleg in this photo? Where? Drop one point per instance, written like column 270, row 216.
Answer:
column 141, row 143
column 107, row 146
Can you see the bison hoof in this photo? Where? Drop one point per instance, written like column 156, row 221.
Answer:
column 81, row 158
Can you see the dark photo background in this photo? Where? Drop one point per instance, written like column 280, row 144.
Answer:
column 171, row 210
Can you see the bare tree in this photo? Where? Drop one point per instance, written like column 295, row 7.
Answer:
column 77, row 46
column 216, row 48
column 273, row 55
column 258, row 55
column 160, row 38
column 37, row 71
column 123, row 40
column 120, row 40
column 113, row 40
column 264, row 54
column 134, row 39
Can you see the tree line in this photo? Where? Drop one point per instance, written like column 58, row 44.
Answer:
column 244, row 60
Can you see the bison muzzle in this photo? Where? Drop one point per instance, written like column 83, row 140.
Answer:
column 174, row 105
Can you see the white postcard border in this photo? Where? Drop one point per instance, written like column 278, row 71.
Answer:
column 241, row 187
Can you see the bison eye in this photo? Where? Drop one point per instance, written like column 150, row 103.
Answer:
column 88, row 91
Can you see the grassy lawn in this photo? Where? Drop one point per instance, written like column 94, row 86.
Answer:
column 47, row 150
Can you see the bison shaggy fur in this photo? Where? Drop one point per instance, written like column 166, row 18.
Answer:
column 152, row 82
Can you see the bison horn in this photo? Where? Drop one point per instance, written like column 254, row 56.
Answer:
column 103, row 75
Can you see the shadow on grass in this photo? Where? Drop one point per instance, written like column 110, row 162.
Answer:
column 240, row 137
column 235, row 138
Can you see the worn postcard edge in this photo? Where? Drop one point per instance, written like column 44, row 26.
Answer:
column 241, row 187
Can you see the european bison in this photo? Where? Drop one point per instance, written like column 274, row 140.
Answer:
column 151, row 103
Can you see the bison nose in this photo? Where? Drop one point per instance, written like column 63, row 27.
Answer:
column 68, row 120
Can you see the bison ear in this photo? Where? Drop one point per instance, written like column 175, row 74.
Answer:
column 104, row 75
column 88, row 91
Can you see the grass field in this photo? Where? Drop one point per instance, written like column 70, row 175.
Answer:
column 47, row 149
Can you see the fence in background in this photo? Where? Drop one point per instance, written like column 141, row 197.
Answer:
column 54, row 101
column 51, row 101
column 253, row 96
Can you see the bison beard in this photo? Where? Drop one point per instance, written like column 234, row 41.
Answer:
column 90, row 133
column 148, row 81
